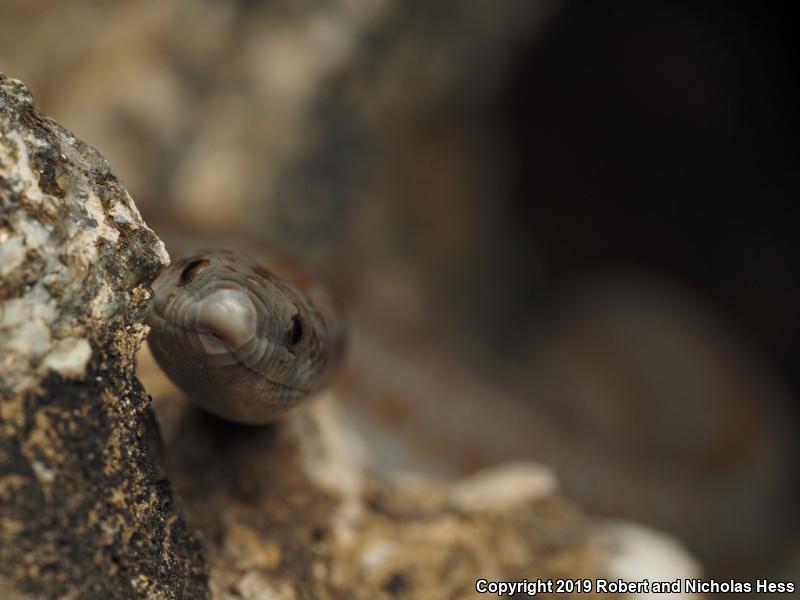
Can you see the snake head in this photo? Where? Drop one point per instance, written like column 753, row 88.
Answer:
column 239, row 338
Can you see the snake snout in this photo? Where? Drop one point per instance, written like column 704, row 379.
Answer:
column 226, row 320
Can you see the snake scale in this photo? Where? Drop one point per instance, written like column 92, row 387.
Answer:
column 246, row 339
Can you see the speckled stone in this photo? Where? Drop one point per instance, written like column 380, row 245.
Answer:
column 295, row 511
column 84, row 509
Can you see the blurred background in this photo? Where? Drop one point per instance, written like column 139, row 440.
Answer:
column 563, row 231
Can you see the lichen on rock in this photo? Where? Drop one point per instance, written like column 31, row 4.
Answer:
column 84, row 510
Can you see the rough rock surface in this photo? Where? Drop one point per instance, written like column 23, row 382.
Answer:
column 84, row 510
column 297, row 510
column 290, row 511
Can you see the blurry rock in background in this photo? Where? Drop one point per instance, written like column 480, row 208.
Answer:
column 352, row 133
column 458, row 172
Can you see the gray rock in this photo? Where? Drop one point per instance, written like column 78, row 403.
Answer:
column 84, row 510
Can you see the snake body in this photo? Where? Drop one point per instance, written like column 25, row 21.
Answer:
column 246, row 339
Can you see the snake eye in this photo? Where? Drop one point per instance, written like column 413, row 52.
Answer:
column 192, row 268
column 294, row 333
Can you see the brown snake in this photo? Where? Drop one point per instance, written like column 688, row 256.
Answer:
column 245, row 340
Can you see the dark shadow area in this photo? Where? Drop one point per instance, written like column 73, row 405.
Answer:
column 660, row 136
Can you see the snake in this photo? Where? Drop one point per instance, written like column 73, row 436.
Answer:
column 247, row 339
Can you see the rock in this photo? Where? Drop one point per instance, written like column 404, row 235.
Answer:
column 296, row 510
column 293, row 511
column 328, row 128
column 84, row 509
column 647, row 554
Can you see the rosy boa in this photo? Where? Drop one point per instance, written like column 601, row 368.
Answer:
column 247, row 340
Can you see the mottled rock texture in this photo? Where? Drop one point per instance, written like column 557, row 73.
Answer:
column 297, row 510
column 291, row 512
column 84, row 509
